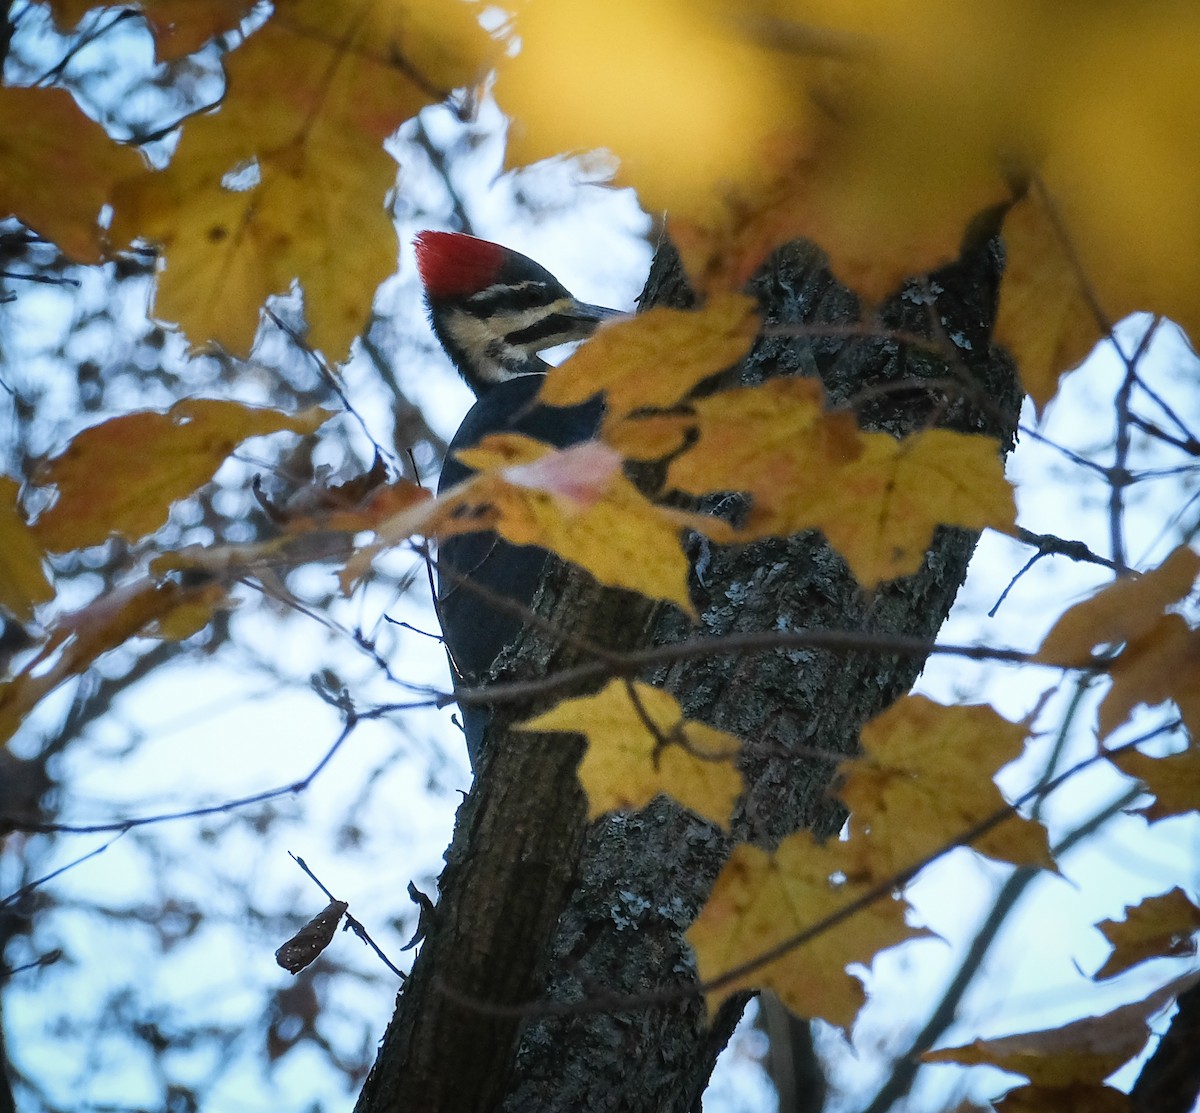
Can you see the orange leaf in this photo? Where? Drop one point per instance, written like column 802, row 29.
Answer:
column 67, row 13
column 762, row 126
column 761, row 900
column 1082, row 1053
column 880, row 131
column 182, row 27
column 1174, row 780
column 655, row 358
column 23, row 582
column 684, row 123
column 106, row 486
column 1158, row 664
column 1065, row 1099
column 925, row 778
column 1132, row 224
column 1161, row 652
column 652, row 436
column 58, row 169
column 1125, row 609
column 1158, row 927
column 75, row 640
column 627, row 763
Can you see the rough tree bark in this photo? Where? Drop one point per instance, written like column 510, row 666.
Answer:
column 536, row 906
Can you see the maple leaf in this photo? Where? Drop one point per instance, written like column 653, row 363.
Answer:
column 181, row 27
column 1044, row 317
column 1131, row 223
column 653, row 104
column 772, row 441
column 574, row 502
column 1081, row 1053
column 1127, row 608
column 886, row 135
column 925, row 778
column 1163, row 663
column 1065, row 1099
column 876, row 231
column 762, row 900
column 355, row 72
column 640, row 746
column 1174, row 780
column 67, row 13
column 1161, row 650
column 655, row 358
column 75, row 640
column 44, row 137
column 103, row 482
column 876, row 499
column 793, row 111
column 23, row 582
column 898, row 492
column 1157, row 927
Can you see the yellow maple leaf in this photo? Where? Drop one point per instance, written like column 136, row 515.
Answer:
column 640, row 746
column 1174, row 780
column 648, row 436
column 1132, row 222
column 1157, row 927
column 773, row 441
column 313, row 141
column 898, row 492
column 762, row 900
column 762, row 125
column 680, row 121
column 877, row 499
column 883, row 133
column 23, row 582
column 574, row 502
column 44, row 138
column 876, row 231
column 925, row 779
column 1044, row 317
column 104, row 482
column 655, row 358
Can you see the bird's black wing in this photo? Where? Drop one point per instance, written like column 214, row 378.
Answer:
column 474, row 629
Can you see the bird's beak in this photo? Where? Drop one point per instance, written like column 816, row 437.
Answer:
column 592, row 314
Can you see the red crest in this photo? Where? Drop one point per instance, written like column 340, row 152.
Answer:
column 453, row 265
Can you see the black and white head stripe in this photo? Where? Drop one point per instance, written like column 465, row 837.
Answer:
column 494, row 309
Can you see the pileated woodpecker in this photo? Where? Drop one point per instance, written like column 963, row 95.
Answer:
column 493, row 310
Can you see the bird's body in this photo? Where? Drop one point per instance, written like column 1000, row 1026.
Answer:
column 493, row 310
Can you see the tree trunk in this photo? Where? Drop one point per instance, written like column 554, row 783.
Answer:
column 538, row 908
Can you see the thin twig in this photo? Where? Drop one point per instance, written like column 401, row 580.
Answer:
column 352, row 924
